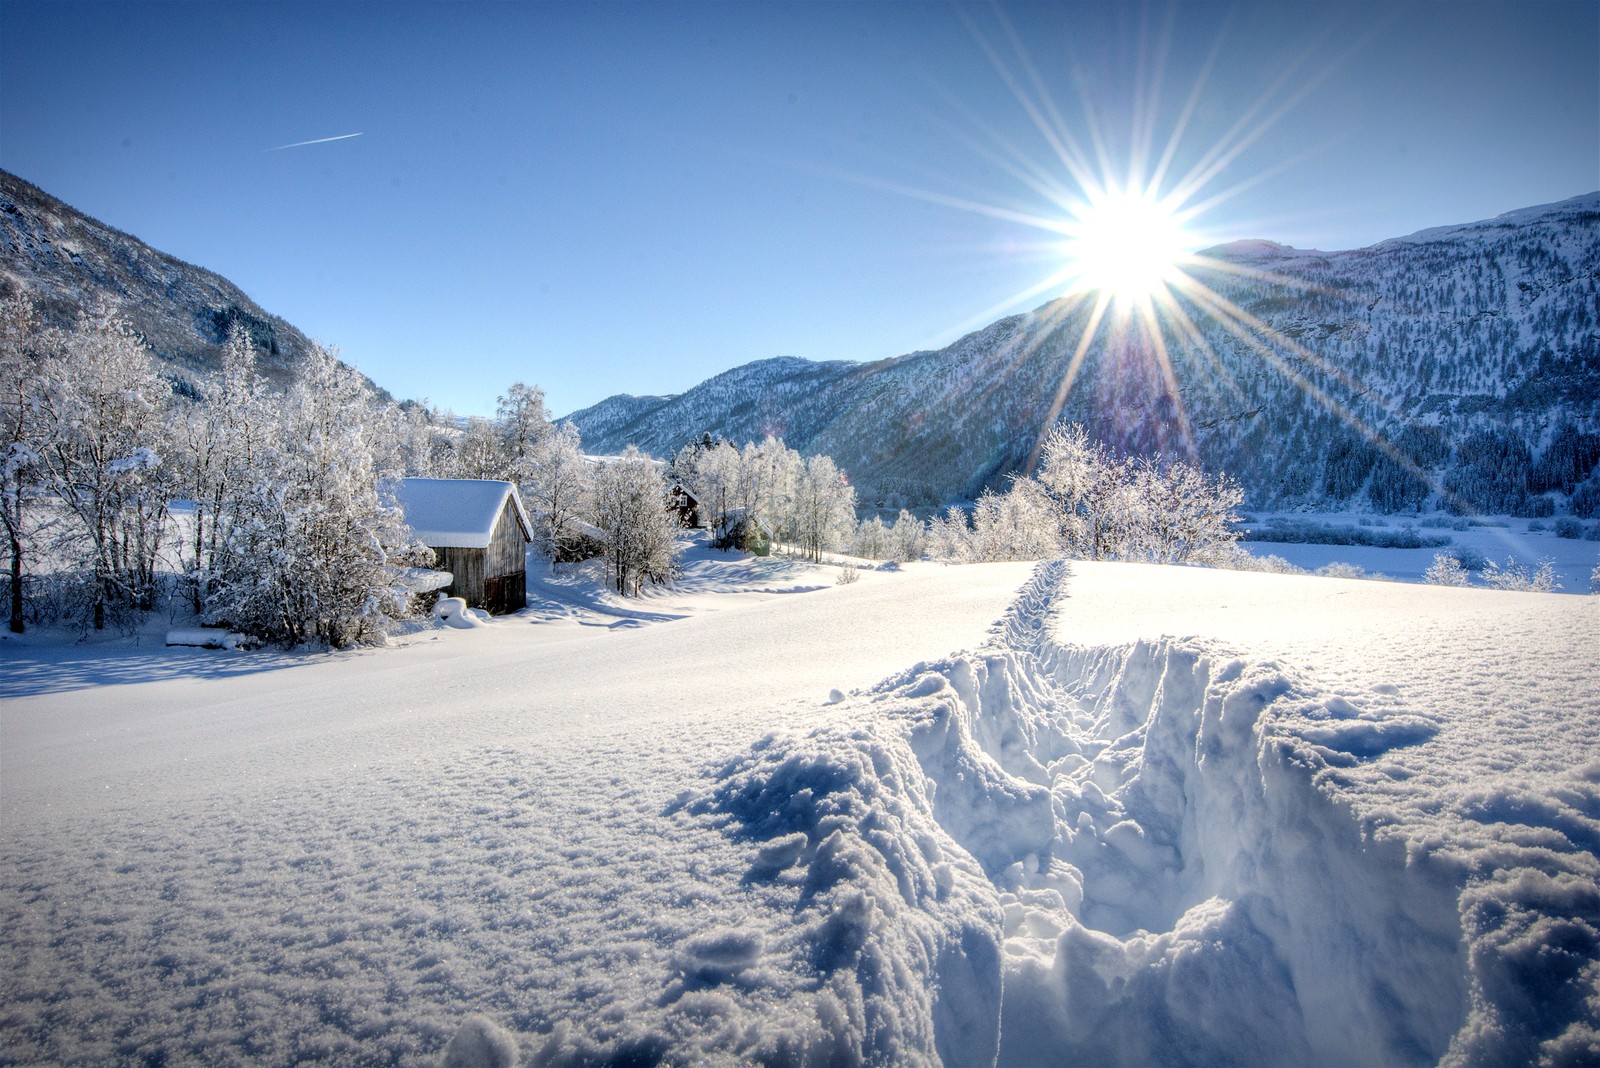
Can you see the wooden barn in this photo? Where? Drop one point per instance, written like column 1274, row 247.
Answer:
column 478, row 532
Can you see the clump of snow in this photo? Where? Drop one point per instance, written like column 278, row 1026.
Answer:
column 453, row 612
column 480, row 1044
column 210, row 638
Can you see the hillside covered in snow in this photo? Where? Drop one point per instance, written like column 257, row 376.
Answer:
column 67, row 262
column 1461, row 359
column 1087, row 813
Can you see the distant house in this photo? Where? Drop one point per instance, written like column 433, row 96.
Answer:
column 686, row 503
column 479, row 533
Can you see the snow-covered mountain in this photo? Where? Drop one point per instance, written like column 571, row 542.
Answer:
column 1463, row 358
column 66, row 261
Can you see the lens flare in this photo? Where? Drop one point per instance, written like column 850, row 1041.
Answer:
column 1127, row 245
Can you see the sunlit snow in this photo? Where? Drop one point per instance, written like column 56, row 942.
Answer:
column 1097, row 813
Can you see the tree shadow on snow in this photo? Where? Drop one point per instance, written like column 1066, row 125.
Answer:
column 48, row 669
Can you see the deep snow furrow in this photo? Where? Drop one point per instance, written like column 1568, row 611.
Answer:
column 1151, row 848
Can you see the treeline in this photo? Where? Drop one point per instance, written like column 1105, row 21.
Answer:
column 768, row 492
column 284, row 533
column 1089, row 504
column 268, row 512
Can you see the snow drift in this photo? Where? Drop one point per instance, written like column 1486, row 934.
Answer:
column 1358, row 829
column 1172, row 870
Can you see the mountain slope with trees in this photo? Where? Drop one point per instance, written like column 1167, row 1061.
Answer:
column 1457, row 367
column 64, row 261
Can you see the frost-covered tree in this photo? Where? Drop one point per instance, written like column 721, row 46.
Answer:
column 479, row 452
column 641, row 533
column 1446, row 570
column 217, row 445
column 822, row 511
column 948, row 536
column 1513, row 575
column 313, row 548
column 1106, row 509
column 908, row 537
column 1017, row 525
column 1182, row 513
column 871, row 541
column 104, row 408
column 558, row 490
column 1084, row 485
column 523, row 424
column 25, row 345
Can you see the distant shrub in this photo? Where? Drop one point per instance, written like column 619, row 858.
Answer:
column 1345, row 571
column 1303, row 532
column 1568, row 527
column 1240, row 560
column 1513, row 575
column 1446, row 570
column 848, row 573
column 1471, row 559
column 1534, row 526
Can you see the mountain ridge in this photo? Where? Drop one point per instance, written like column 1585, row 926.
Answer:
column 66, row 260
column 1393, row 376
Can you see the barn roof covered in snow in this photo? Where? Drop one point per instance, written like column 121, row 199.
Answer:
column 456, row 513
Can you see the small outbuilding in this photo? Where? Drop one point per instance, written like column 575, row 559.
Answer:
column 686, row 503
column 478, row 532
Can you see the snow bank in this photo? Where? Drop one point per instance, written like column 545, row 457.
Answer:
column 1190, row 860
column 210, row 638
column 1353, row 823
column 453, row 612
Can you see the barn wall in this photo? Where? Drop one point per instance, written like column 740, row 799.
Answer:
column 506, row 585
column 495, row 578
column 508, row 546
column 467, row 567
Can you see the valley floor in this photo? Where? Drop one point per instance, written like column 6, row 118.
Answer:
column 1106, row 813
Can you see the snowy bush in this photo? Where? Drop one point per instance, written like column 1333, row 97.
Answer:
column 848, row 573
column 1566, row 527
column 312, row 552
column 1340, row 570
column 641, row 533
column 1237, row 559
column 1446, row 570
column 1513, row 575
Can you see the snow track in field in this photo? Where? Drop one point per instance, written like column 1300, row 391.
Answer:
column 1146, row 847
column 686, row 844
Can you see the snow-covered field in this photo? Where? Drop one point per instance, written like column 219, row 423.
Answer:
column 1500, row 539
column 1114, row 814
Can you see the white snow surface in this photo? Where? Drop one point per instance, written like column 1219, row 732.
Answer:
column 455, row 512
column 1112, row 814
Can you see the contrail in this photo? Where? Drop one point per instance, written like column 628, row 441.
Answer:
column 315, row 141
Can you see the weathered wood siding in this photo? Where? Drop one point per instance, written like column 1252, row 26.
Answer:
column 495, row 578
column 466, row 567
column 508, row 548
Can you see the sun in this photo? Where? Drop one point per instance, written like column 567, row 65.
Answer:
column 1126, row 245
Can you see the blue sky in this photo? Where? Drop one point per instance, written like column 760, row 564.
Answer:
column 605, row 198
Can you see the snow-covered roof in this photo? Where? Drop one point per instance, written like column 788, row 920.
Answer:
column 456, row 513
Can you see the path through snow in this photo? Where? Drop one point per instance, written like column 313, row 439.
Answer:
column 1328, row 822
